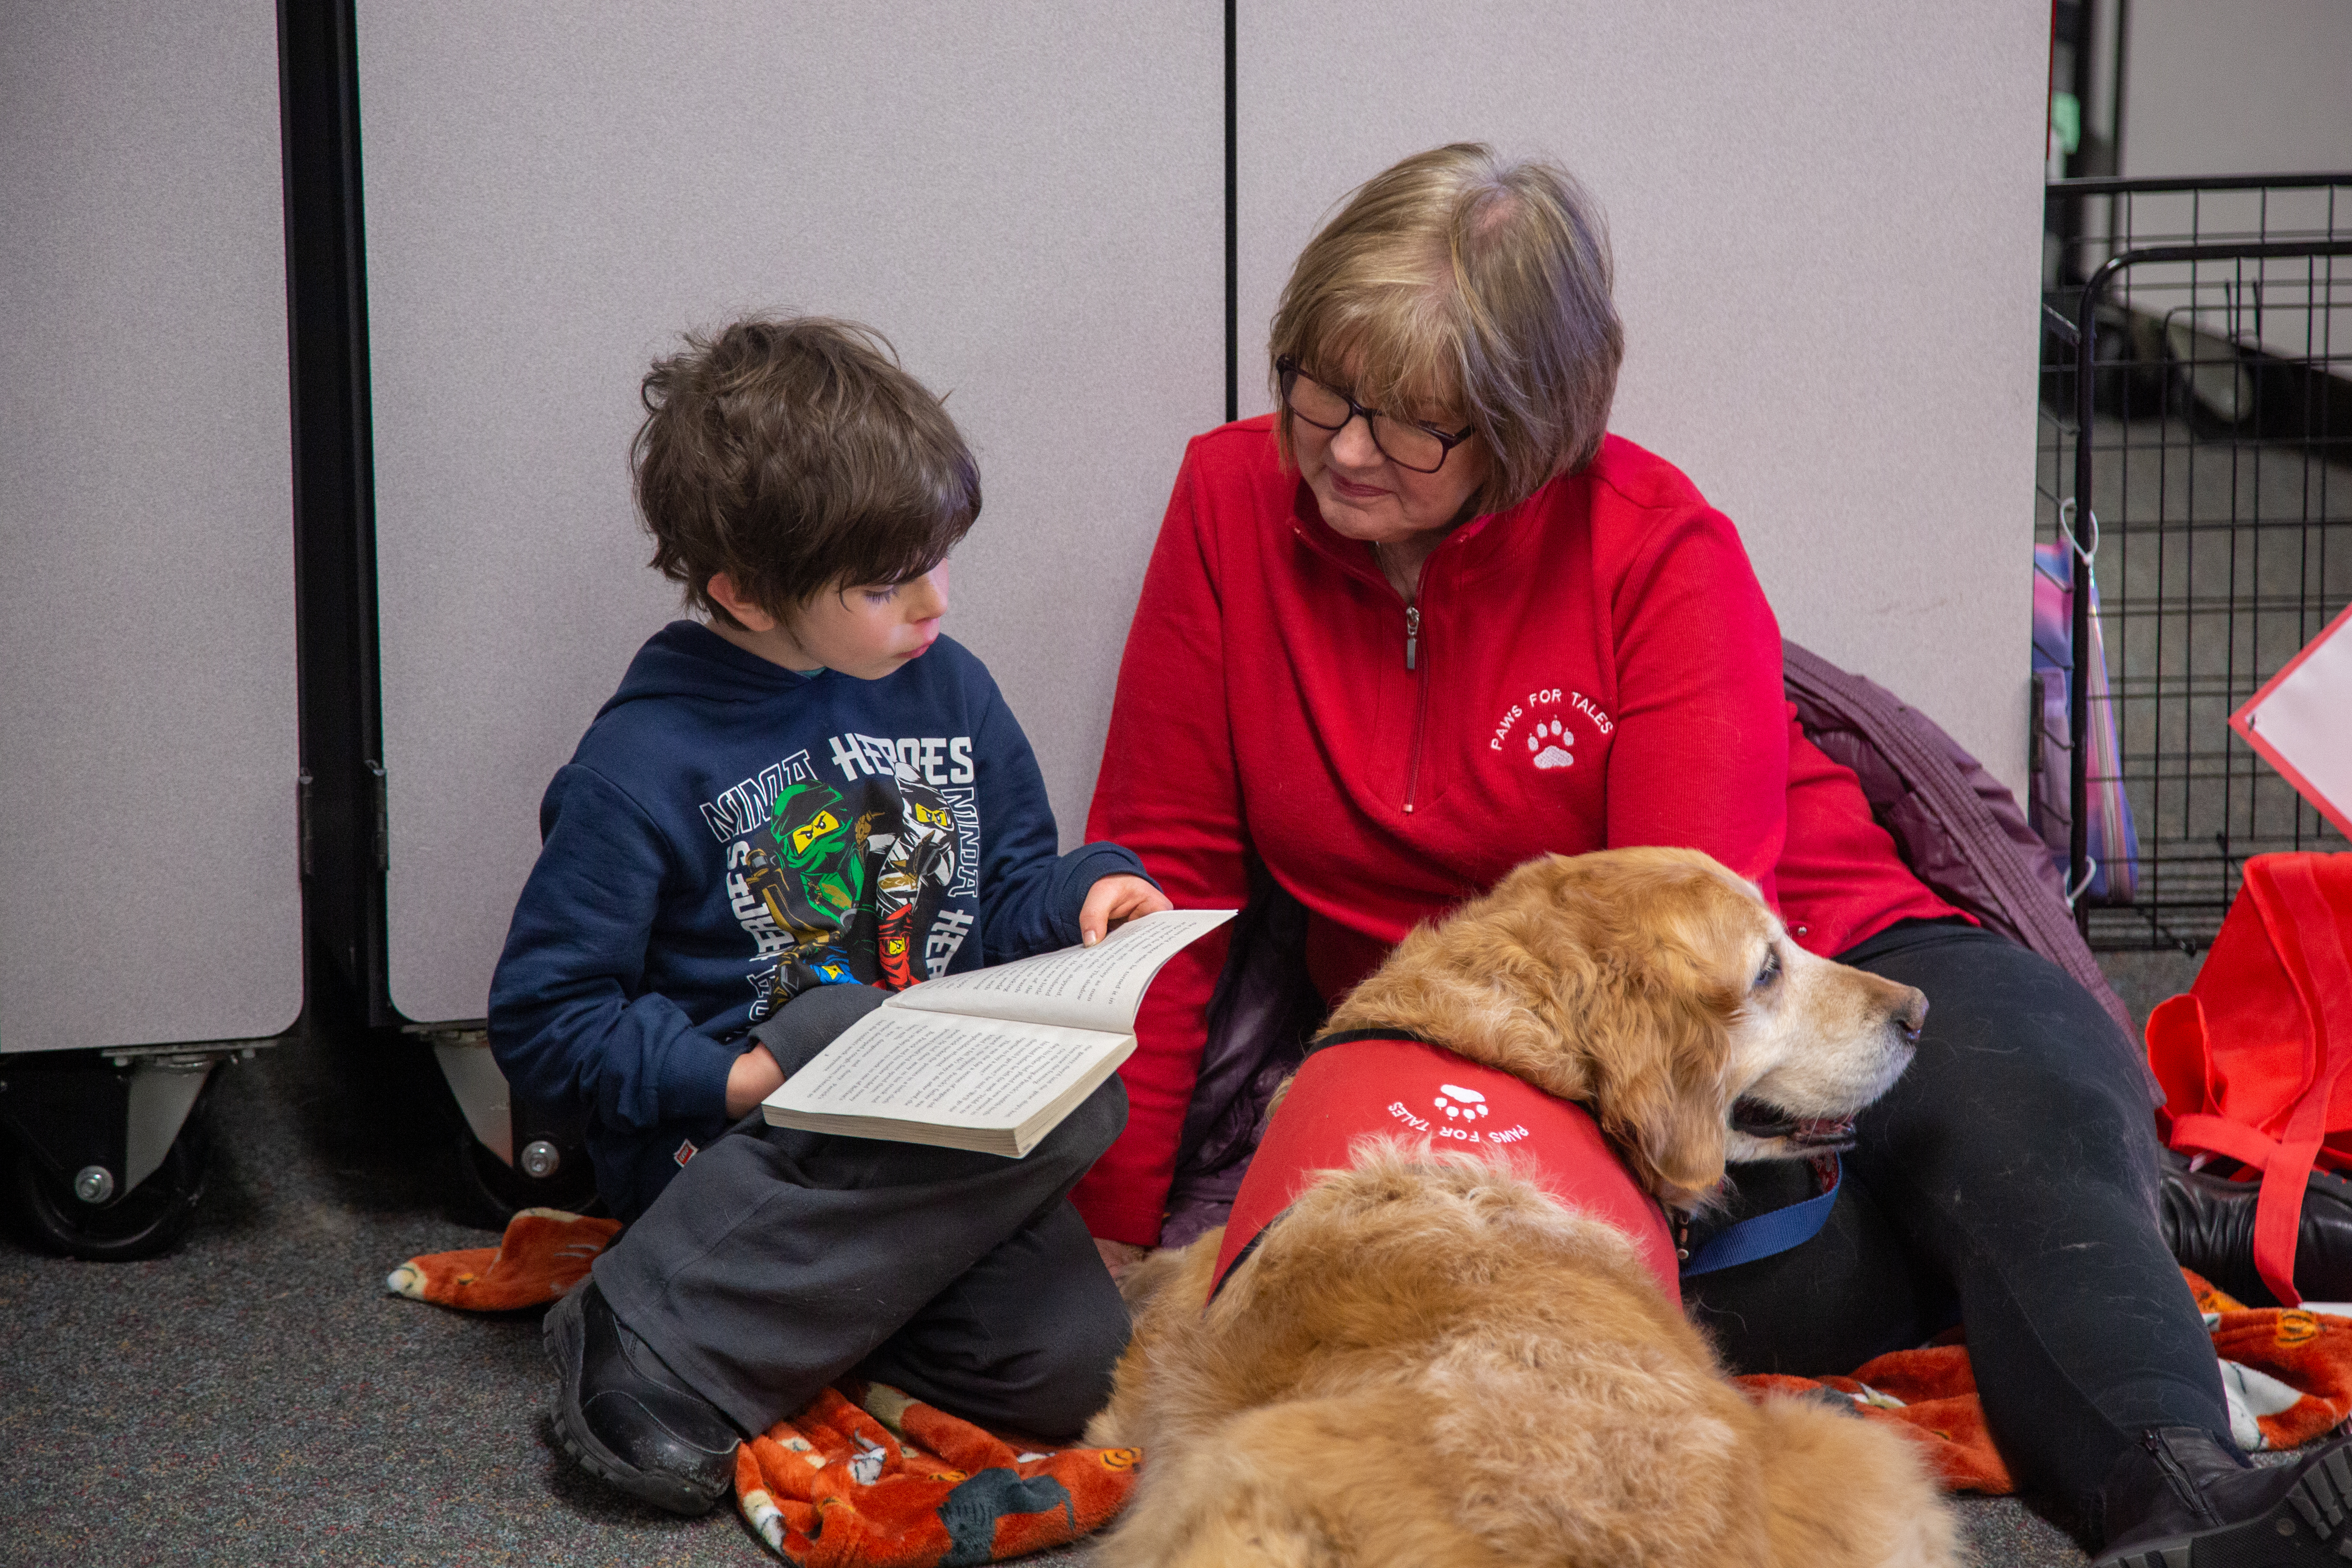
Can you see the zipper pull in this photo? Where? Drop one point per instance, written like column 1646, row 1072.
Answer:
column 1411, row 632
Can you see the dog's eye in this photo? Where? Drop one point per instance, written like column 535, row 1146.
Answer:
column 1772, row 970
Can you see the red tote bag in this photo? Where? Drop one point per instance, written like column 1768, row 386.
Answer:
column 2256, row 1059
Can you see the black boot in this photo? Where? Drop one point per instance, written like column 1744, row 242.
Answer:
column 626, row 1417
column 2181, row 1499
column 2208, row 1224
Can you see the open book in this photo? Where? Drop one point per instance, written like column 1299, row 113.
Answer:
column 991, row 1059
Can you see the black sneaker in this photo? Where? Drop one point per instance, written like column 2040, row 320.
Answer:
column 2195, row 1504
column 626, row 1418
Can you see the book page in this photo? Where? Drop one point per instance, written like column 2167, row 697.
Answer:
column 943, row 1069
column 1098, row 987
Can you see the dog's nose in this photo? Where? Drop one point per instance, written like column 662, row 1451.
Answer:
column 1912, row 1016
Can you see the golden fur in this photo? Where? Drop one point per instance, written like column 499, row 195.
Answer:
column 1430, row 1362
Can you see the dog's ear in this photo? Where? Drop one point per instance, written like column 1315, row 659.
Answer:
column 1660, row 1065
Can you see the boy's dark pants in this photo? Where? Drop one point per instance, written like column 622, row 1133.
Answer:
column 779, row 1260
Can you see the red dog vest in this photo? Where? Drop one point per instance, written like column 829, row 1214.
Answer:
column 1409, row 1087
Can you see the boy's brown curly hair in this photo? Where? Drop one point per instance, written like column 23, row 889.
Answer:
column 796, row 454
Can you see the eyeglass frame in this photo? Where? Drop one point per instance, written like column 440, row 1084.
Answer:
column 1288, row 370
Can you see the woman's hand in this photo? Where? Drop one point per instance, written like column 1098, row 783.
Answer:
column 753, row 1078
column 1118, row 1257
column 1113, row 902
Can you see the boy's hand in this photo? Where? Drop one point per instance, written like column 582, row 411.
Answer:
column 753, row 1078
column 1118, row 1257
column 1114, row 900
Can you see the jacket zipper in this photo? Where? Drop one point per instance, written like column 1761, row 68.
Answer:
column 1421, row 704
column 1413, row 666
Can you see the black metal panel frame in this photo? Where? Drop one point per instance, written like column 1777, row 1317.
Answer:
column 2081, row 334
column 343, row 836
column 1232, row 222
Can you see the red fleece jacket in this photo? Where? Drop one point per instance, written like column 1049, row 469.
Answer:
column 1595, row 667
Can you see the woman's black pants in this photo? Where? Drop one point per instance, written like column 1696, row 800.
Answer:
column 2008, row 1181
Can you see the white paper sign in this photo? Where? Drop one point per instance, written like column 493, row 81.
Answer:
column 2300, row 723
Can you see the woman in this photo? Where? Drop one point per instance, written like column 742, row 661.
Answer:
column 1428, row 621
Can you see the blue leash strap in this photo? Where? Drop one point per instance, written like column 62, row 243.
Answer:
column 1763, row 1235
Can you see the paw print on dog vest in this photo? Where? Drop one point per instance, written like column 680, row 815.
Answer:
column 1549, row 743
column 1460, row 1104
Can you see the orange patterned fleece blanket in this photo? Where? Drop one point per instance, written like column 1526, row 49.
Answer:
column 2287, row 1372
column 863, row 1476
column 867, row 1477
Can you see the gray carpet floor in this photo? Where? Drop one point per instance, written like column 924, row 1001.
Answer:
column 258, row 1397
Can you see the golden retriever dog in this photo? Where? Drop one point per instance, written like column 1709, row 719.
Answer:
column 1429, row 1361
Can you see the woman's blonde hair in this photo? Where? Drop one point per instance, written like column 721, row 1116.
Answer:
column 1455, row 285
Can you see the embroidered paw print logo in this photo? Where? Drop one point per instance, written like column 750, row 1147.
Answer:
column 1548, row 743
column 1460, row 1104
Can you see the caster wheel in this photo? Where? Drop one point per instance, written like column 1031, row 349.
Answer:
column 139, row 1224
column 495, row 1190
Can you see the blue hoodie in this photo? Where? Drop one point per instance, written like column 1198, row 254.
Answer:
column 730, row 833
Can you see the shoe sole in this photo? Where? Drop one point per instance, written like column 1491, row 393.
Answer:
column 561, row 1335
column 2314, row 1511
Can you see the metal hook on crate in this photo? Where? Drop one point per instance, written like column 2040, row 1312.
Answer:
column 2067, row 529
column 2090, row 875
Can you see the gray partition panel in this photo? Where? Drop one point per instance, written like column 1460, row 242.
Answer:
column 1826, row 220
column 149, row 890
column 1027, row 199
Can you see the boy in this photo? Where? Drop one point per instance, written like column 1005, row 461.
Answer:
column 782, row 814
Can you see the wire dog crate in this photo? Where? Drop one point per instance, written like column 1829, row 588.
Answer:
column 2196, row 463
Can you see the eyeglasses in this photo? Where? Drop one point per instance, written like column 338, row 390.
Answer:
column 1407, row 443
